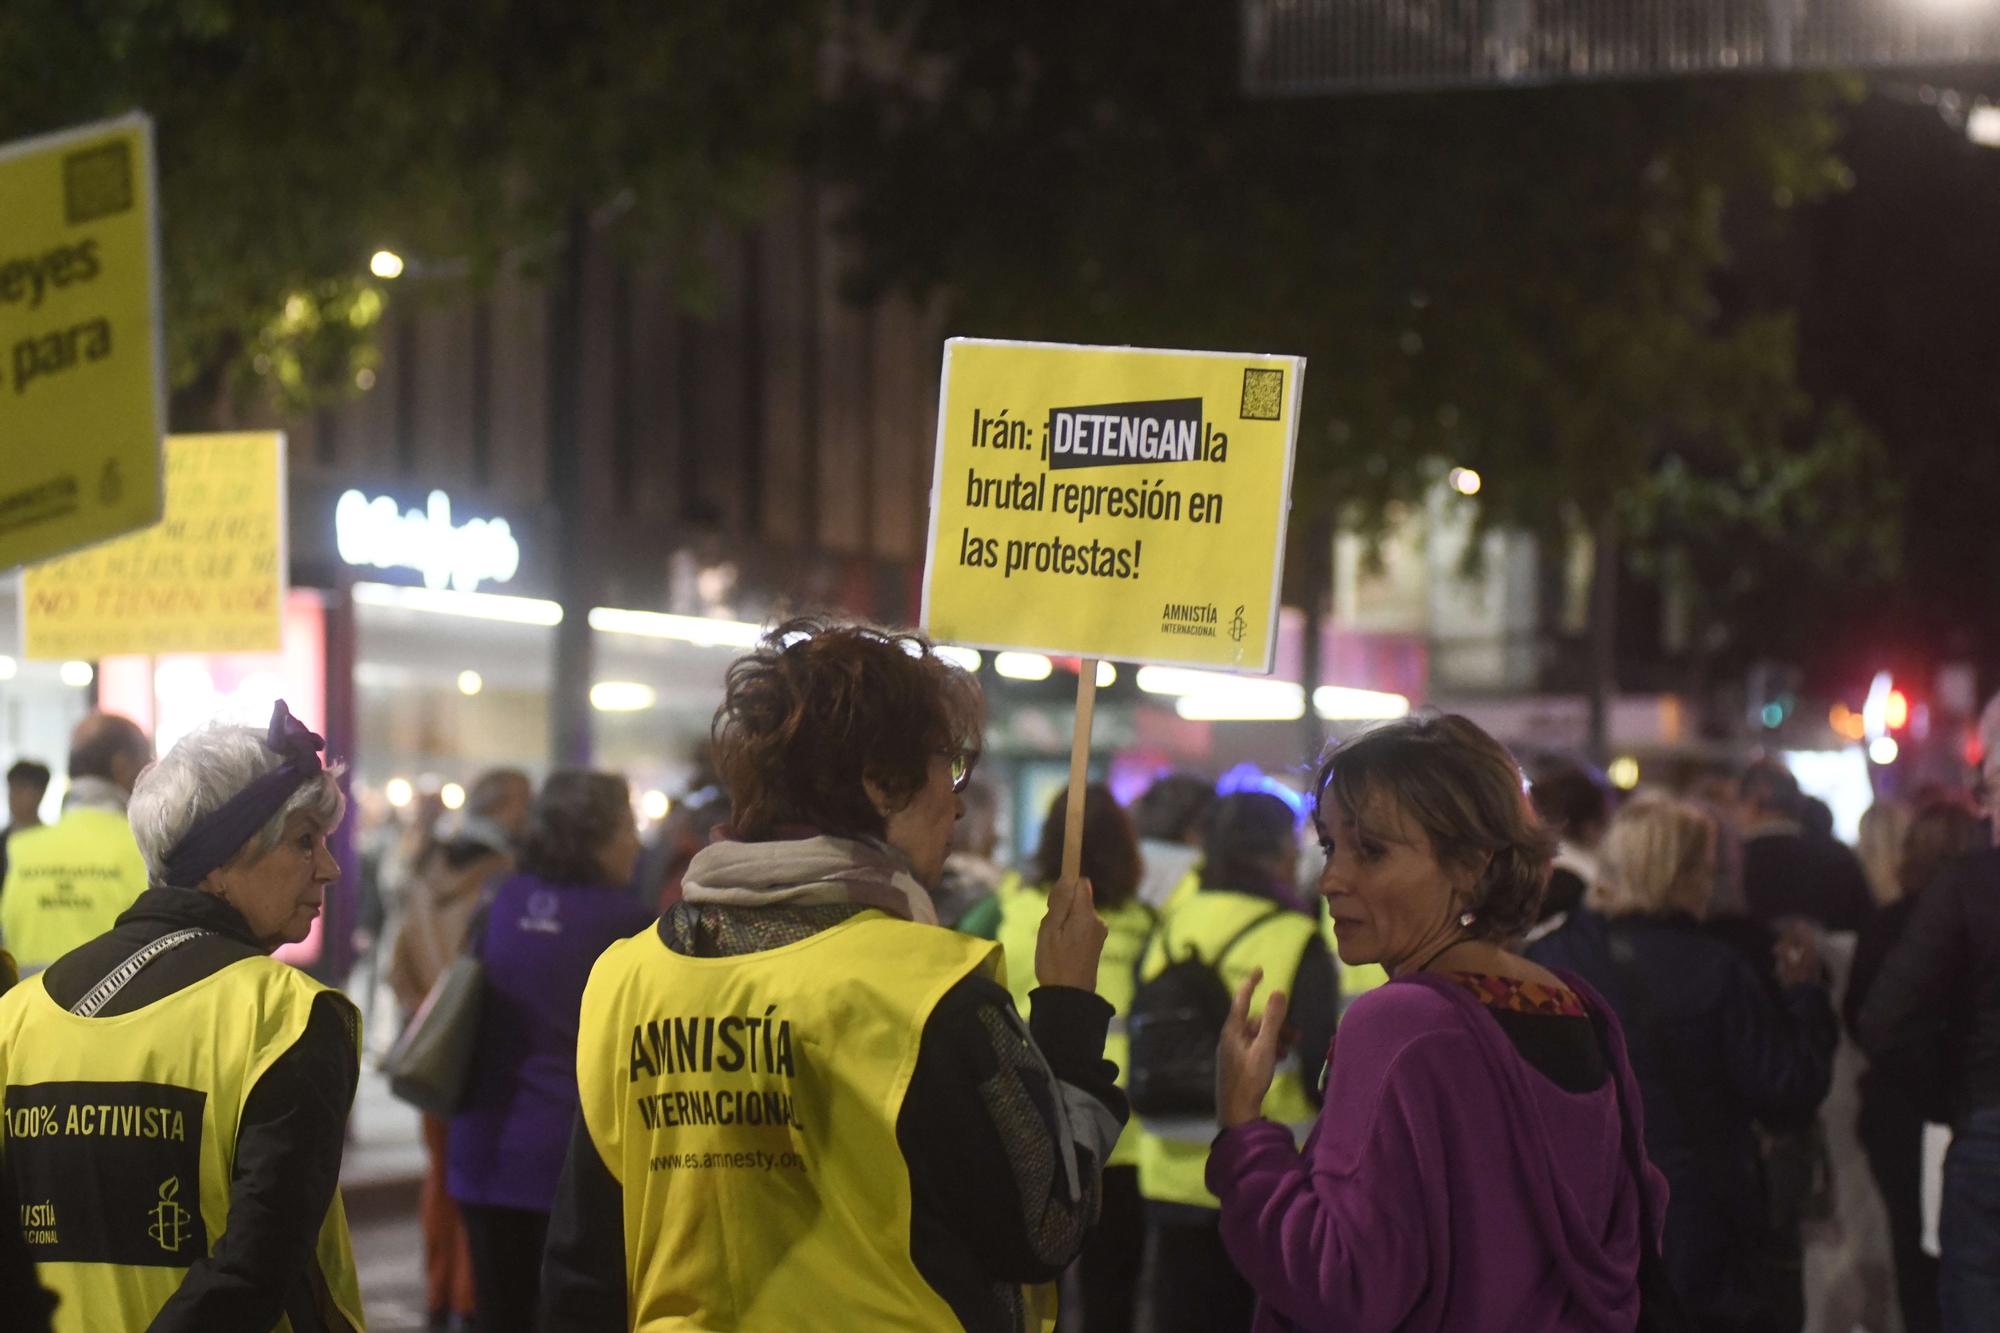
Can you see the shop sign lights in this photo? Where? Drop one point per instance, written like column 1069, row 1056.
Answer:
column 461, row 556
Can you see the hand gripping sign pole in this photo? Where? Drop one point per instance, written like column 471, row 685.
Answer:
column 1110, row 502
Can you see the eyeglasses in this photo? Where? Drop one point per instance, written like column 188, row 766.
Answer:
column 961, row 768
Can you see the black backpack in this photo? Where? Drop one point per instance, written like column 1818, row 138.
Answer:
column 1174, row 1024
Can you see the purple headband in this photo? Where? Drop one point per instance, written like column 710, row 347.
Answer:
column 221, row 833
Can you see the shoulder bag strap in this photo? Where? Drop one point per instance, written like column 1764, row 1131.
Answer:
column 120, row 976
column 1237, row 938
column 473, row 945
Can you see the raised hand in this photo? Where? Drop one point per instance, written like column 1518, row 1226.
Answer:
column 1247, row 1055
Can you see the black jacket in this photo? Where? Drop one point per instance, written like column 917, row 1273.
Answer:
column 1931, row 1021
column 1714, row 1055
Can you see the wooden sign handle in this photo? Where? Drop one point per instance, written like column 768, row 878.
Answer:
column 1079, row 768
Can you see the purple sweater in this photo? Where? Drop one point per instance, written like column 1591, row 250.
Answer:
column 507, row 1142
column 1446, row 1186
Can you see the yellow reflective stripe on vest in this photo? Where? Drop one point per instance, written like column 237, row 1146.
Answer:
column 748, row 1107
column 1128, row 927
column 1174, row 1157
column 120, row 1137
column 66, row 884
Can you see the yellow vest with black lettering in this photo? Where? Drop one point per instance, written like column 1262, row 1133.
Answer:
column 1173, row 1157
column 1021, row 910
column 66, row 884
column 748, row 1106
column 121, row 1138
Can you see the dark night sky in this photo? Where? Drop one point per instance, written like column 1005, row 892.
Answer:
column 1899, row 293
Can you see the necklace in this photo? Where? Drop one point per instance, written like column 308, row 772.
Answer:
column 1447, row 948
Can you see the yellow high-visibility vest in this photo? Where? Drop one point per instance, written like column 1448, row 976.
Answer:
column 1021, row 910
column 1356, row 979
column 1173, row 1158
column 748, row 1107
column 121, row 1138
column 66, row 884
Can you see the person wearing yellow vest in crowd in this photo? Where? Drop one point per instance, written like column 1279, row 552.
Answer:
column 68, row 881
column 1105, row 1277
column 1170, row 816
column 1244, row 917
column 805, row 1105
column 175, row 1098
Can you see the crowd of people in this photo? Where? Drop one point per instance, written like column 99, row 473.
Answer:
column 1506, row 1054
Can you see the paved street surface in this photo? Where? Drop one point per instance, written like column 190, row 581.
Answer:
column 390, row 1254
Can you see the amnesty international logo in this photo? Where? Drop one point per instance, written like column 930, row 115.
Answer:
column 1237, row 624
column 170, row 1221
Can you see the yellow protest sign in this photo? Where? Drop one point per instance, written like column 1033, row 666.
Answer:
column 208, row 578
column 80, row 366
column 1111, row 501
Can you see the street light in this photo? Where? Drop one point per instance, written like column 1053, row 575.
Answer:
column 1982, row 126
column 1464, row 480
column 386, row 265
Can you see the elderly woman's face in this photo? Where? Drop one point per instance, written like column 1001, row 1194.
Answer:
column 921, row 830
column 280, row 892
column 1390, row 899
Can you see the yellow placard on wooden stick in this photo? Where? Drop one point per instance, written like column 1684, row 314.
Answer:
column 1112, row 501
column 81, row 401
column 208, row 578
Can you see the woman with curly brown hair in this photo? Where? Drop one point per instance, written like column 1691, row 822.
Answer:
column 1474, row 1164
column 805, row 1104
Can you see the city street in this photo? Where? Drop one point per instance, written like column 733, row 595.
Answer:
column 389, row 1252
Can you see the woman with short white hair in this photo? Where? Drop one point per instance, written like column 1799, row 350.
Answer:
column 175, row 1098
column 1717, row 1049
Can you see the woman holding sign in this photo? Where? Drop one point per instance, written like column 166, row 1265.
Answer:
column 805, row 1105
column 1479, row 1159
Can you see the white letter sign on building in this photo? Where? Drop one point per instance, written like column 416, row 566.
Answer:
column 376, row 532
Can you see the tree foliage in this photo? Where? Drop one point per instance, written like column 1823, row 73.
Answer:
column 1544, row 284
column 294, row 140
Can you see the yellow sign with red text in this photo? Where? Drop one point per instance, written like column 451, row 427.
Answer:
column 208, row 578
column 1112, row 502
column 80, row 361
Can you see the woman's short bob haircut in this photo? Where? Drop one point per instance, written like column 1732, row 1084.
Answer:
column 573, row 818
column 204, row 769
column 821, row 705
column 1110, row 847
column 1465, row 791
column 1657, row 858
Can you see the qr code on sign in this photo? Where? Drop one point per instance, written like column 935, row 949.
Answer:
column 1263, row 395
column 97, row 182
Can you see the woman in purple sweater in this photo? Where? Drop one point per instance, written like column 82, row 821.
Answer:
column 569, row 902
column 1474, row 1165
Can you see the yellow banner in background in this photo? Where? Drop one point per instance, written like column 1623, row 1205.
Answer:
column 1112, row 501
column 208, row 578
column 80, row 364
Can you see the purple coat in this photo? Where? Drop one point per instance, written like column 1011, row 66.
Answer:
column 1447, row 1185
column 507, row 1142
